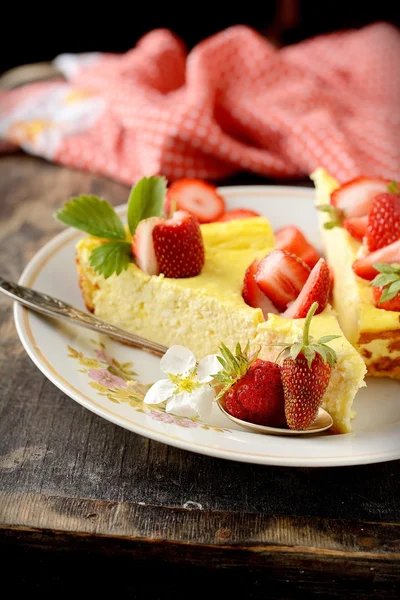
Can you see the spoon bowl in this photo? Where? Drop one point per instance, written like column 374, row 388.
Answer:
column 322, row 423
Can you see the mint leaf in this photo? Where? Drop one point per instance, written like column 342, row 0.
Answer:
column 146, row 200
column 111, row 257
column 92, row 215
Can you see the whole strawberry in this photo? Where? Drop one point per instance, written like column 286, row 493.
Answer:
column 251, row 388
column 384, row 219
column 306, row 371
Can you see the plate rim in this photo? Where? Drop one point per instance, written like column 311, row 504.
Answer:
column 21, row 317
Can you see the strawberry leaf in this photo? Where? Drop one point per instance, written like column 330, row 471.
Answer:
column 92, row 215
column 110, row 258
column 394, row 187
column 390, row 291
column 146, row 199
column 328, row 338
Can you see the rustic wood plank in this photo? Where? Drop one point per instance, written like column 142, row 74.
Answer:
column 64, row 471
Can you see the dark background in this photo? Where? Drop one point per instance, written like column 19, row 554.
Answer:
column 34, row 32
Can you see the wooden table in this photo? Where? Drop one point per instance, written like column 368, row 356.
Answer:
column 89, row 507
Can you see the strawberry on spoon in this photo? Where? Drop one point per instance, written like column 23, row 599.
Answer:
column 196, row 197
column 306, row 367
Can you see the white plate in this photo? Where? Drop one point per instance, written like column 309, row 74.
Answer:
column 376, row 434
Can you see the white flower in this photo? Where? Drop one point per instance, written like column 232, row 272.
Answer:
column 187, row 392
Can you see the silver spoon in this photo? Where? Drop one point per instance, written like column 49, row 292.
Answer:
column 323, row 422
column 53, row 307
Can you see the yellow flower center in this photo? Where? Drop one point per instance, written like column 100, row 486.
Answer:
column 184, row 384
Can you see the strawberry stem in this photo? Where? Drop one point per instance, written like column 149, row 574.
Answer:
column 306, row 331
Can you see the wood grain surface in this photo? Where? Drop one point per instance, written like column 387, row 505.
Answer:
column 74, row 487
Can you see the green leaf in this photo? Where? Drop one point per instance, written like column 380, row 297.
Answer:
column 328, row 338
column 390, row 292
column 384, row 279
column 111, row 257
column 309, row 353
column 146, row 200
column 92, row 215
column 387, row 268
column 330, row 225
column 295, row 350
column 393, row 187
column 325, row 208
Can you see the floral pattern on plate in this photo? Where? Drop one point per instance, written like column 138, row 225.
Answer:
column 116, row 381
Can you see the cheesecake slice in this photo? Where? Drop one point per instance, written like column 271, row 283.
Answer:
column 374, row 332
column 197, row 312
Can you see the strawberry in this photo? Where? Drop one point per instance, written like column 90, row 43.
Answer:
column 281, row 276
column 316, row 289
column 252, row 294
column 251, row 388
column 383, row 221
column 356, row 226
column 364, row 267
column 355, row 197
column 239, row 213
column 386, row 286
column 178, row 246
column 143, row 247
column 196, row 197
column 306, row 367
column 292, row 240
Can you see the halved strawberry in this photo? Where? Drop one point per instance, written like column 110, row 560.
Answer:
column 239, row 213
column 356, row 226
column 316, row 289
column 383, row 221
column 143, row 247
column 355, row 197
column 197, row 197
column 292, row 240
column 393, row 304
column 281, row 276
column 178, row 246
column 252, row 294
column 389, row 254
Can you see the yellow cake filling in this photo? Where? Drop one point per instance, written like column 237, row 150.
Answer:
column 375, row 332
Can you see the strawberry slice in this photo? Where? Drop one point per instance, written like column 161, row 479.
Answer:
column 178, row 246
column 356, row 226
column 363, row 267
column 292, row 240
column 143, row 247
column 383, row 221
column 239, row 213
column 196, row 197
column 355, row 197
column 252, row 294
column 393, row 304
column 316, row 289
column 281, row 276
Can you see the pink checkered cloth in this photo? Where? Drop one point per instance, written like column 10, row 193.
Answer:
column 233, row 103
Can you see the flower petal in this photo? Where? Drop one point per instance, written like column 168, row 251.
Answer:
column 208, row 366
column 197, row 404
column 159, row 392
column 178, row 360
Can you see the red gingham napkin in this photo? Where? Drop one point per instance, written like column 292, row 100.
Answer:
column 233, row 103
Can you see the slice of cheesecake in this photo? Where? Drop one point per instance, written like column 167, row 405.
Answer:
column 374, row 332
column 197, row 312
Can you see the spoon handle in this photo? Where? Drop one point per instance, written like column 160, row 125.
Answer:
column 52, row 307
